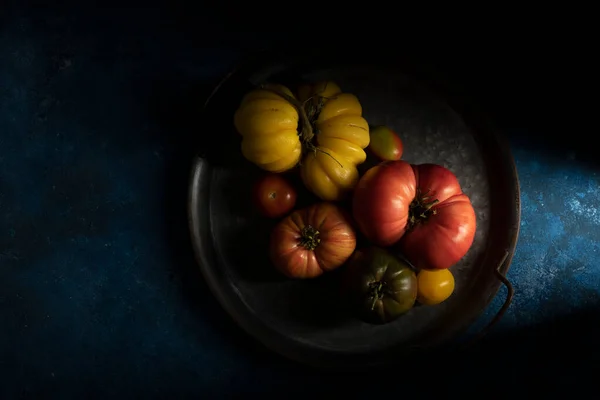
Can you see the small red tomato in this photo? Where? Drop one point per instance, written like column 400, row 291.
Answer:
column 274, row 196
column 385, row 143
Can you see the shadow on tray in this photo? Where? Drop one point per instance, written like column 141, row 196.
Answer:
column 175, row 111
column 186, row 136
column 539, row 103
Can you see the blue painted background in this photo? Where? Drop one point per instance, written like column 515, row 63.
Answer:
column 99, row 293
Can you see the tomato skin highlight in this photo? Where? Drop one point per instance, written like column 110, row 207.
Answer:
column 312, row 241
column 274, row 196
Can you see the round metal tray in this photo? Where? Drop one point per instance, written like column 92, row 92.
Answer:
column 307, row 320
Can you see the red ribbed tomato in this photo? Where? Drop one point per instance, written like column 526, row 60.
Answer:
column 424, row 209
column 311, row 241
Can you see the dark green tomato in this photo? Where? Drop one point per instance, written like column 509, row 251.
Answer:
column 383, row 287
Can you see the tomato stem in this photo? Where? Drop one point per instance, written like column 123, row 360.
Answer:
column 310, row 237
column 376, row 292
column 306, row 123
column 420, row 209
column 306, row 131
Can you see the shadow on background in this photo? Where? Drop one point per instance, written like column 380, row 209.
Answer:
column 554, row 358
column 533, row 80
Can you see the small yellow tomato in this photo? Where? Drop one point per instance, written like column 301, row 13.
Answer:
column 434, row 286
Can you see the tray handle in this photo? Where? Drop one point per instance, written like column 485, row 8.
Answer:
column 509, row 296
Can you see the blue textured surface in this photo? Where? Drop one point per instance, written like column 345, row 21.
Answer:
column 555, row 269
column 98, row 289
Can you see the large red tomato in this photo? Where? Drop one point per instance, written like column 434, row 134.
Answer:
column 311, row 241
column 381, row 201
column 421, row 206
column 442, row 224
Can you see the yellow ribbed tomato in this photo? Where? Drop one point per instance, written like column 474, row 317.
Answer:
column 329, row 169
column 324, row 124
column 268, row 124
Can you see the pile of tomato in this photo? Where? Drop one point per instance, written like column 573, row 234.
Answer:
column 415, row 219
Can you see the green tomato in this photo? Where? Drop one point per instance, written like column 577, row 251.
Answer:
column 385, row 143
column 382, row 286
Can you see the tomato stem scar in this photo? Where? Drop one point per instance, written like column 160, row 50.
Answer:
column 306, row 131
column 420, row 209
column 310, row 237
column 376, row 291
